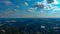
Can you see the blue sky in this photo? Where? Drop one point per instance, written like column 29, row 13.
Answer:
column 29, row 9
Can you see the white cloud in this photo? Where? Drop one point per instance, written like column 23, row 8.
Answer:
column 48, row 7
column 45, row 1
column 38, row 3
column 17, row 6
column 15, row 9
column 32, row 9
column 26, row 4
column 56, row 8
column 56, row 2
column 8, row 2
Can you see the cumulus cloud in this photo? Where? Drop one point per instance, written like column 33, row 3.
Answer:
column 39, row 5
column 16, row 10
column 26, row 4
column 44, row 1
column 7, row 2
column 55, row 2
column 48, row 7
column 41, row 12
column 56, row 8
column 45, row 6
column 32, row 9
column 17, row 6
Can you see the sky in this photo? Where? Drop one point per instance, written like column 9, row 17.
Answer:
column 29, row 8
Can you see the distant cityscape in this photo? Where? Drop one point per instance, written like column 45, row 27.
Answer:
column 30, row 26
